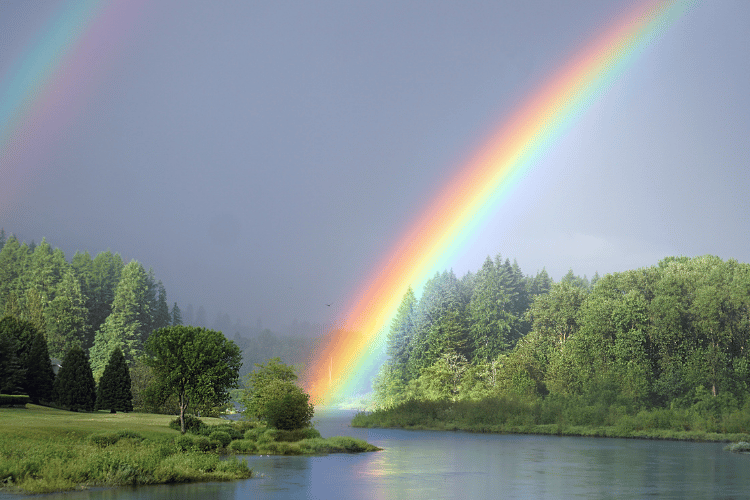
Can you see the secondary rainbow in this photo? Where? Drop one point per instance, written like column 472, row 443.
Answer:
column 48, row 82
column 355, row 345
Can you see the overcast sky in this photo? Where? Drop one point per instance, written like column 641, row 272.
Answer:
column 261, row 157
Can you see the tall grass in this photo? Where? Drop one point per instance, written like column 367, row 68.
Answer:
column 562, row 416
column 44, row 450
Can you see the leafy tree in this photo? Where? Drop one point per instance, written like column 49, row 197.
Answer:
column 197, row 365
column 74, row 386
column 113, row 392
column 291, row 411
column 269, row 381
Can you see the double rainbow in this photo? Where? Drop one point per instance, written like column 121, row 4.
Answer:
column 355, row 346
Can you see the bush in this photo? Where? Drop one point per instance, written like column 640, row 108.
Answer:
column 8, row 400
column 243, row 446
column 291, row 411
column 221, row 437
column 192, row 424
column 297, row 435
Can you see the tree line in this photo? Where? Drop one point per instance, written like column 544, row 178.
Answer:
column 94, row 303
column 673, row 335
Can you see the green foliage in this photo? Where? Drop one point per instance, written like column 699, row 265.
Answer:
column 292, row 411
column 269, row 382
column 191, row 424
column 74, row 386
column 197, row 365
column 113, row 392
column 14, row 400
column 222, row 437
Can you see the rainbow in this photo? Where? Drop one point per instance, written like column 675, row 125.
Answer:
column 51, row 77
column 355, row 346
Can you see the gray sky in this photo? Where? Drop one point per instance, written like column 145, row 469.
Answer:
column 262, row 157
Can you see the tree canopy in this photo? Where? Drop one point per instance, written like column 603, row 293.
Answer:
column 196, row 364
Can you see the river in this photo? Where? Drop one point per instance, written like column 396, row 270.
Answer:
column 433, row 465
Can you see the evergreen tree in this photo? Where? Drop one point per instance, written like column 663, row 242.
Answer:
column 106, row 271
column 491, row 322
column 400, row 335
column 11, row 266
column 66, row 316
column 124, row 327
column 114, row 391
column 74, row 386
column 12, row 374
column 176, row 315
column 39, row 375
column 200, row 317
column 162, row 317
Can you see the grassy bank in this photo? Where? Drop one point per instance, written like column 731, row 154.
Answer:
column 44, row 450
column 561, row 417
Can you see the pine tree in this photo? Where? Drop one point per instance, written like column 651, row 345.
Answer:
column 66, row 316
column 176, row 315
column 39, row 375
column 124, row 327
column 74, row 386
column 12, row 374
column 114, row 391
column 162, row 317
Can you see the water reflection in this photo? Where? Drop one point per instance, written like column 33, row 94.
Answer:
column 425, row 464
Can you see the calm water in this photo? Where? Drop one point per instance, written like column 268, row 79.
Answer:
column 423, row 464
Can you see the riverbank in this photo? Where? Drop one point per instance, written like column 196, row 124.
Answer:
column 43, row 450
column 505, row 416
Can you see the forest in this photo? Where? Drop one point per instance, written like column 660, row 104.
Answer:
column 670, row 339
column 97, row 303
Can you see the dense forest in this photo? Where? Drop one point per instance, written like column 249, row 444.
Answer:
column 99, row 303
column 674, row 335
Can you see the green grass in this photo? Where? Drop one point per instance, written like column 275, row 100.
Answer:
column 502, row 415
column 44, row 450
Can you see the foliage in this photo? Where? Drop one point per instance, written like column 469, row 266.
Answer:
column 113, row 392
column 41, row 452
column 24, row 361
column 197, row 365
column 74, row 386
column 269, row 381
column 191, row 422
column 292, row 411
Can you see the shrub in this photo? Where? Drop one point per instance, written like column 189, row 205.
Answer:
column 221, row 437
column 8, row 400
column 192, row 424
column 243, row 446
column 291, row 411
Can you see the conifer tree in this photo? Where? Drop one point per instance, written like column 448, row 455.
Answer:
column 74, row 386
column 114, row 391
column 66, row 316
column 176, row 315
column 39, row 375
column 124, row 328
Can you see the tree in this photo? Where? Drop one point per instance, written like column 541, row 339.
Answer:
column 197, row 365
column 292, row 411
column 270, row 381
column 176, row 315
column 74, row 386
column 124, row 328
column 162, row 317
column 114, row 392
column 66, row 316
column 33, row 372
